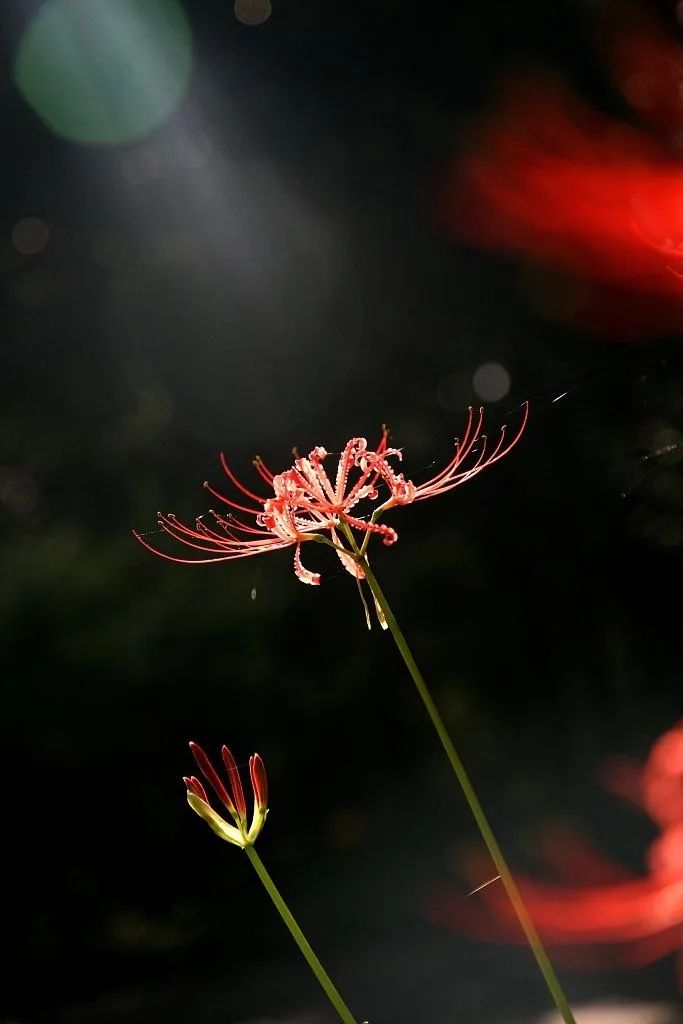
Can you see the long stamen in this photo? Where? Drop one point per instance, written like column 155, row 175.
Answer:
column 228, row 501
column 462, row 448
column 245, row 490
column 179, row 561
column 262, row 470
column 449, row 478
column 232, row 546
column 186, row 535
column 233, row 523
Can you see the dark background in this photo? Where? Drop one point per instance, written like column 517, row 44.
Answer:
column 313, row 296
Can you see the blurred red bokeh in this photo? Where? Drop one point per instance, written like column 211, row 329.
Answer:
column 571, row 189
column 595, row 902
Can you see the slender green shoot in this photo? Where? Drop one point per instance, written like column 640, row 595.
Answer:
column 299, row 937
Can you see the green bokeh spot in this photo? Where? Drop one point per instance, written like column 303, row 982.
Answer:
column 105, row 71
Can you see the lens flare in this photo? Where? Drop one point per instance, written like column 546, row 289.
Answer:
column 104, row 72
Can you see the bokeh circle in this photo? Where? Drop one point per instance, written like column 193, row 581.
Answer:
column 105, row 72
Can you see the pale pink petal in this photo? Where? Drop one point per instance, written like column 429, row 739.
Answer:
column 349, row 563
column 305, row 575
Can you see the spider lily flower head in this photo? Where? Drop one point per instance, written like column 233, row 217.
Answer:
column 241, row 833
column 342, row 510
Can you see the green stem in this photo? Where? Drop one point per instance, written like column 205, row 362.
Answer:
column 488, row 836
column 299, row 937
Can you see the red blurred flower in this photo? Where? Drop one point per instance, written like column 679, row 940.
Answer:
column 603, row 905
column 241, row 833
column 570, row 188
column 305, row 505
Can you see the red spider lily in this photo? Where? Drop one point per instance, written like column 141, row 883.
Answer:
column 306, row 506
column 232, row 797
column 603, row 905
column 555, row 181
